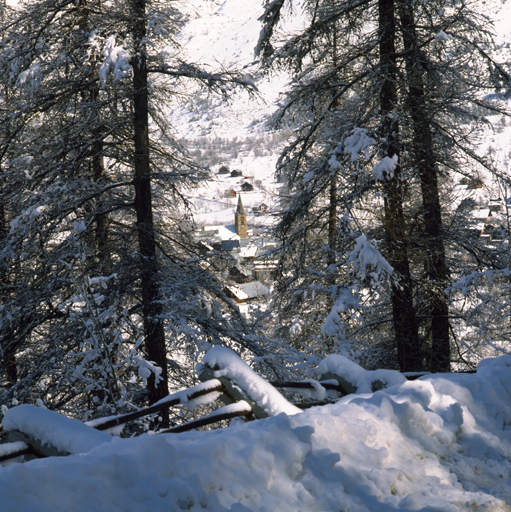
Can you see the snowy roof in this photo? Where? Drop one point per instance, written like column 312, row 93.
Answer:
column 237, row 292
column 249, row 251
column 254, row 289
column 481, row 213
column 227, row 232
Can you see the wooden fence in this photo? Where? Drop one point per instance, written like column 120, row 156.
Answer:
column 237, row 403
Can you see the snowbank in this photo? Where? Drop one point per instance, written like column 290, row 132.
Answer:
column 441, row 443
column 50, row 428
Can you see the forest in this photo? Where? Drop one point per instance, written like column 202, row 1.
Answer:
column 107, row 300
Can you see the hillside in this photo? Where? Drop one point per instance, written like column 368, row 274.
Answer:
column 235, row 133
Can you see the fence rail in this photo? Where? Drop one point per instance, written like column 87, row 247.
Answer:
column 237, row 402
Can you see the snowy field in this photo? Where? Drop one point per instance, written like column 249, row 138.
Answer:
column 440, row 443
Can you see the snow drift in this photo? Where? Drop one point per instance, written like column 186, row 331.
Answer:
column 441, row 443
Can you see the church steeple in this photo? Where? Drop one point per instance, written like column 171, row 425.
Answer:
column 240, row 220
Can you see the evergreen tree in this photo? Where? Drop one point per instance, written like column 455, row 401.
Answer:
column 94, row 264
column 383, row 118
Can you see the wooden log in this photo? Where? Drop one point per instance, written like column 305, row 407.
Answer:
column 232, row 393
column 126, row 418
column 13, row 450
column 308, row 385
column 209, row 420
column 35, row 446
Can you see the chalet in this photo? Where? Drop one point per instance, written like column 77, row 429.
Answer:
column 261, row 209
column 495, row 205
column 223, row 170
column 254, row 290
column 236, row 174
column 239, row 274
column 247, row 187
column 235, row 293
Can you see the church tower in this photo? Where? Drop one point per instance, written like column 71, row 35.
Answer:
column 240, row 220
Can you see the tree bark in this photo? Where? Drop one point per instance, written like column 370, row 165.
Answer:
column 9, row 356
column 151, row 308
column 405, row 324
column 436, row 271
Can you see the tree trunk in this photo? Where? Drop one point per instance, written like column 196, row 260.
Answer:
column 436, row 264
column 102, row 233
column 151, row 309
column 332, row 225
column 96, row 165
column 8, row 354
column 405, row 323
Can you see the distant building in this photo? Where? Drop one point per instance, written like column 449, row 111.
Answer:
column 239, row 275
column 247, row 187
column 475, row 183
column 229, row 245
column 261, row 209
column 240, row 220
column 254, row 290
column 235, row 293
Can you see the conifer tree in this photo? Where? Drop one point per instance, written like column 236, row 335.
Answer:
column 383, row 118
column 101, row 269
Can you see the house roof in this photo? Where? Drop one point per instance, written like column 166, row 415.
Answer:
column 249, row 251
column 254, row 289
column 237, row 292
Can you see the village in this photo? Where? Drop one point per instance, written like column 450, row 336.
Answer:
column 243, row 260
column 245, row 251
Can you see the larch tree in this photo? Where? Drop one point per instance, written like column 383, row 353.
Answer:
column 389, row 116
column 105, row 289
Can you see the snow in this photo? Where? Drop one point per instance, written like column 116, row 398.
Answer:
column 8, row 448
column 442, row 36
column 385, row 169
column 116, row 60
column 357, row 142
column 185, row 394
column 308, row 176
column 441, row 443
column 65, row 434
column 237, row 371
column 368, row 261
column 239, row 407
column 30, row 77
column 359, row 378
column 249, row 251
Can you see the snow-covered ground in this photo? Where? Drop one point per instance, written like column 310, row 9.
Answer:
column 441, row 443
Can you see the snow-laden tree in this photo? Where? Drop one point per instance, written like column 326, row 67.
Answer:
column 389, row 97
column 104, row 288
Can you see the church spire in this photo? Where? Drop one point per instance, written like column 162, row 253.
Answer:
column 240, row 220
